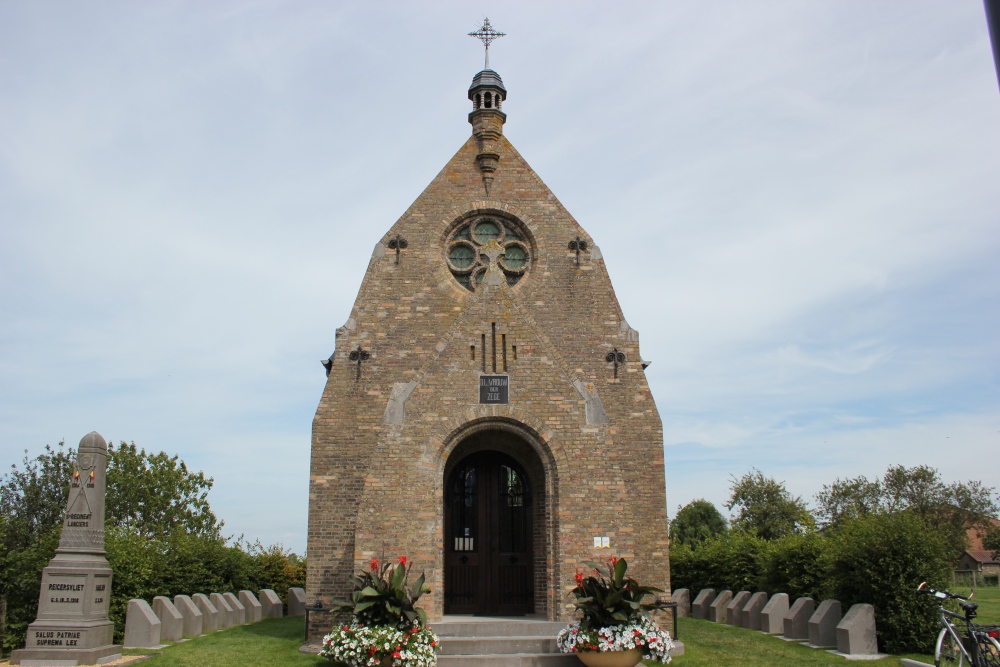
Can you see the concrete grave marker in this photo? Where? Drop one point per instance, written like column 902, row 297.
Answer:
column 227, row 615
column 72, row 626
column 797, row 619
column 823, row 625
column 296, row 602
column 699, row 608
column 682, row 597
column 211, row 621
column 241, row 611
column 717, row 612
column 194, row 620
column 171, row 620
column 750, row 616
column 856, row 631
column 142, row 627
column 270, row 604
column 772, row 617
column 250, row 601
column 734, row 609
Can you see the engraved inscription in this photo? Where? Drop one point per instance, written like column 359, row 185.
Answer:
column 494, row 389
column 57, row 638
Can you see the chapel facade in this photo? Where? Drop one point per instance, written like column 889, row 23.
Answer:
column 486, row 411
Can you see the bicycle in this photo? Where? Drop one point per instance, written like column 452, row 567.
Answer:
column 950, row 649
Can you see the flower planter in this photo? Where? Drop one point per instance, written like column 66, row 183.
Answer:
column 629, row 658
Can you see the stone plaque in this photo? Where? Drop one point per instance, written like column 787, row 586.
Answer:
column 494, row 389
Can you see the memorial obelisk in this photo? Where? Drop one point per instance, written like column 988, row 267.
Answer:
column 72, row 627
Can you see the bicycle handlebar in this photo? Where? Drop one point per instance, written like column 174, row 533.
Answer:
column 943, row 595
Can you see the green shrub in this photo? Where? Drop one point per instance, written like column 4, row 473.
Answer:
column 881, row 559
column 732, row 561
column 798, row 565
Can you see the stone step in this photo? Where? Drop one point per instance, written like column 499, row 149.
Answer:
column 497, row 645
column 499, row 628
column 511, row 660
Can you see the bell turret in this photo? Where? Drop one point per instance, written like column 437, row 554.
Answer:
column 487, row 95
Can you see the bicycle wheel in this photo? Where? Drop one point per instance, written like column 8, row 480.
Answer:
column 947, row 652
column 989, row 651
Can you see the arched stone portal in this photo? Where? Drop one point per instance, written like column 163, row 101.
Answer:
column 497, row 523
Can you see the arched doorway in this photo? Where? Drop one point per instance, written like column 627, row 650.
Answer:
column 494, row 502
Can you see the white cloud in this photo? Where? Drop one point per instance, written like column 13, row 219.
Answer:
column 796, row 202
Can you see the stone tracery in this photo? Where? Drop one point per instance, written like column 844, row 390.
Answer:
column 488, row 250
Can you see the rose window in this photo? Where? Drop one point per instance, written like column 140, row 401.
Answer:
column 488, row 251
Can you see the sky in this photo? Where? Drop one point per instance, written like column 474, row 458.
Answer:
column 797, row 201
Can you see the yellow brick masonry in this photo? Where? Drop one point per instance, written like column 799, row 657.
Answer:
column 376, row 486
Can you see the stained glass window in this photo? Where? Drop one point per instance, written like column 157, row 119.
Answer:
column 473, row 242
column 515, row 257
column 486, row 231
column 461, row 256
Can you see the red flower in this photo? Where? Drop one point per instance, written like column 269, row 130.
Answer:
column 396, row 654
column 402, row 561
column 346, row 628
column 613, row 561
column 434, row 643
column 579, row 579
column 374, row 564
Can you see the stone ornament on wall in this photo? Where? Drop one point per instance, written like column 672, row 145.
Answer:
column 488, row 250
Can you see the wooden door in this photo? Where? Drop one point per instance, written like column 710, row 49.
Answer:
column 488, row 538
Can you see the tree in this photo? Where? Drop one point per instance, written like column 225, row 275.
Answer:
column 848, row 499
column 950, row 509
column 766, row 508
column 152, row 495
column 32, row 501
column 696, row 522
column 991, row 541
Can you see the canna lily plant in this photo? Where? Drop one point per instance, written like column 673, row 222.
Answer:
column 614, row 617
column 611, row 598
column 381, row 597
column 387, row 629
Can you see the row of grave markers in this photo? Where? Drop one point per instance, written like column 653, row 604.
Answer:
column 146, row 626
column 851, row 635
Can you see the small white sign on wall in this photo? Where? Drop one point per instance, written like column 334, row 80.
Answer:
column 602, row 543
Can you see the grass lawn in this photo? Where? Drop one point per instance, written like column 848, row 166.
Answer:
column 277, row 642
column 710, row 644
column 989, row 602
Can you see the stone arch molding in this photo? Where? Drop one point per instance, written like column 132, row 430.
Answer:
column 485, row 207
column 485, row 417
column 533, row 432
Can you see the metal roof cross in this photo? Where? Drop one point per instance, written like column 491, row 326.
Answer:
column 486, row 34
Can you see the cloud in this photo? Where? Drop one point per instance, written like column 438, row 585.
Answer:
column 796, row 202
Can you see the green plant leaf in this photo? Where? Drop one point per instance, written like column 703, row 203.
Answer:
column 398, row 576
column 620, row 567
column 361, row 606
